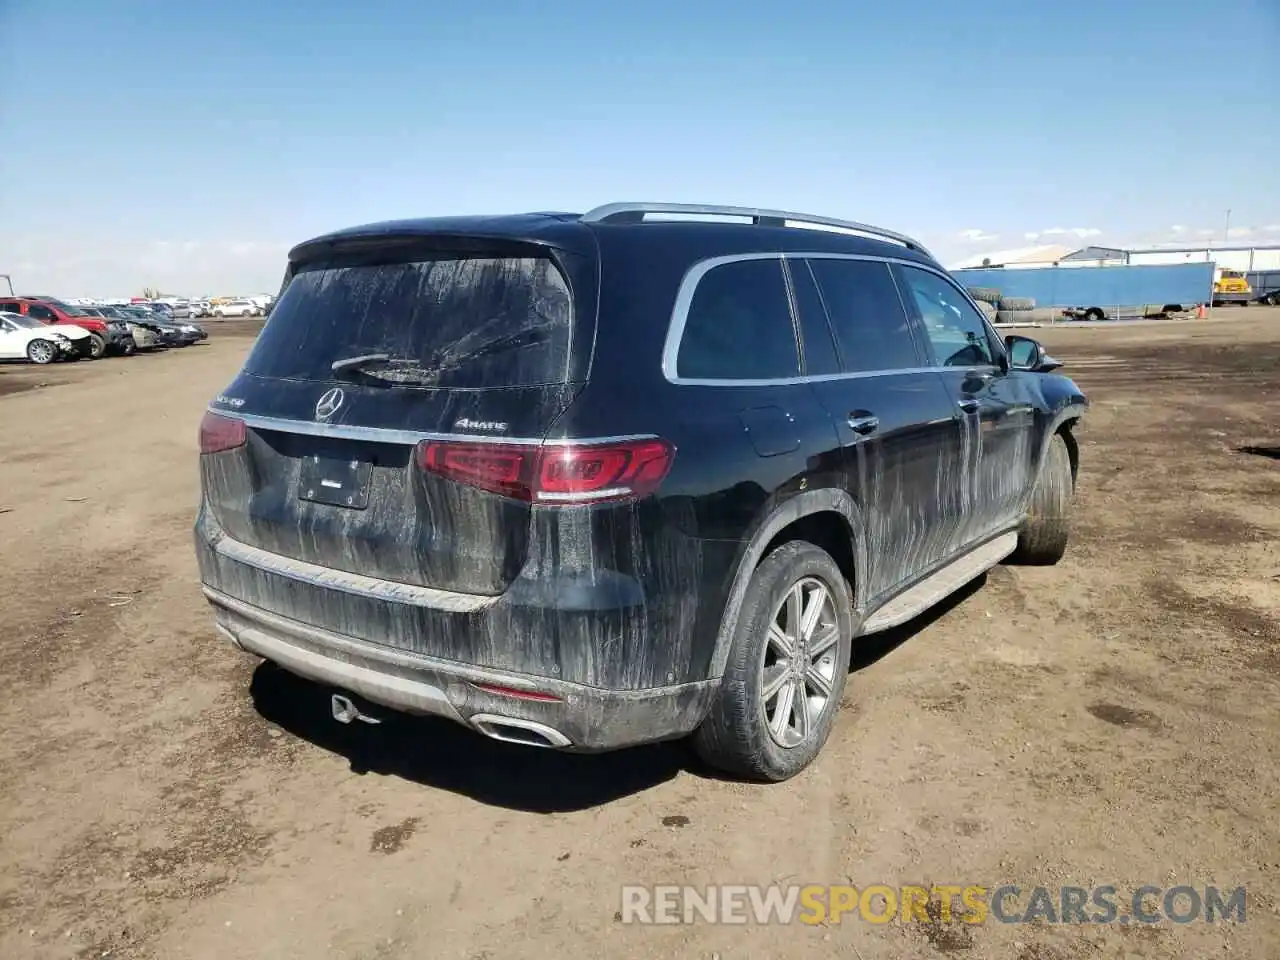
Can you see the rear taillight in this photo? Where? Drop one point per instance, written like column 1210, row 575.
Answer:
column 220, row 433
column 555, row 472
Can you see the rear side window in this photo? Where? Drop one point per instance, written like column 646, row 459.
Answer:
column 870, row 323
column 465, row 322
column 739, row 325
column 41, row 312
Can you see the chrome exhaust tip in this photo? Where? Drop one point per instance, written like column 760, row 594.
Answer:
column 513, row 730
column 344, row 710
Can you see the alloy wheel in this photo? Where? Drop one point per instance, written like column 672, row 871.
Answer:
column 798, row 676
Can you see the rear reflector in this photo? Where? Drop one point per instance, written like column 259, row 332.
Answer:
column 220, row 433
column 516, row 693
column 554, row 473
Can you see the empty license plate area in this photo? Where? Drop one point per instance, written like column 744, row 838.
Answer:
column 340, row 482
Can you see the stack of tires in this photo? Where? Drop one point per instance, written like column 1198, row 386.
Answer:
column 1001, row 309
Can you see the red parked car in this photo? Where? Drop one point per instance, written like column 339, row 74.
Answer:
column 105, row 336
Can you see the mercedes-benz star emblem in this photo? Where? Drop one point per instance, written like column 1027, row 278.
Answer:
column 328, row 404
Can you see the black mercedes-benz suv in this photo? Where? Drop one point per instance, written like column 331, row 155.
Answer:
column 589, row 480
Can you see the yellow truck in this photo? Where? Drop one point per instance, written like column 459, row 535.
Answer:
column 1231, row 286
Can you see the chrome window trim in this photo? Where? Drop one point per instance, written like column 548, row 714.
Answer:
column 407, row 437
column 688, row 286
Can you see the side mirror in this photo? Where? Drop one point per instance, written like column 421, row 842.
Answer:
column 1027, row 354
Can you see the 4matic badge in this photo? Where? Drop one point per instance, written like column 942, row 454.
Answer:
column 329, row 403
column 487, row 426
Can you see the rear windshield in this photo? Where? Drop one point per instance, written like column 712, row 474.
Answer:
column 443, row 322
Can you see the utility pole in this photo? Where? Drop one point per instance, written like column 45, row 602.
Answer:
column 1226, row 231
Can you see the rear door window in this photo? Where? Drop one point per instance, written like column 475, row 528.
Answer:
column 465, row 322
column 871, row 326
column 739, row 325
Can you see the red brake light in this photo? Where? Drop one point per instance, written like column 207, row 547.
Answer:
column 497, row 467
column 573, row 473
column 220, row 433
column 556, row 472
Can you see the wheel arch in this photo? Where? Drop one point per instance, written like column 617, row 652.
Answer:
column 1065, row 423
column 799, row 517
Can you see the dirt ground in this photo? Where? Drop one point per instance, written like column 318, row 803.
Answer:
column 1113, row 719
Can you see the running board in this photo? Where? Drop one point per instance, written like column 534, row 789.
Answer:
column 941, row 584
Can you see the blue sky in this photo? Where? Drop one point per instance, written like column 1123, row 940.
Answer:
column 188, row 145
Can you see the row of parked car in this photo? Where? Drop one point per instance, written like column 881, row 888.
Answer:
column 44, row 329
column 224, row 308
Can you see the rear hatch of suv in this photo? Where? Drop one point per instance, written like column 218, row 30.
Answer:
column 385, row 419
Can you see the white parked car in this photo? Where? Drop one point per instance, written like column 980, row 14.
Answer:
column 38, row 342
column 237, row 308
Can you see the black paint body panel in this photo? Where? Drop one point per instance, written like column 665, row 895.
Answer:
column 630, row 596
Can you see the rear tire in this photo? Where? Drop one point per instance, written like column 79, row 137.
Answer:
column 741, row 735
column 97, row 346
column 1042, row 541
column 130, row 347
column 42, row 352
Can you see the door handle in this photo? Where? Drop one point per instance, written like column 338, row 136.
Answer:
column 863, row 424
column 968, row 405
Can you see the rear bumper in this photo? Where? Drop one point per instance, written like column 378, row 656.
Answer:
column 587, row 623
column 580, row 718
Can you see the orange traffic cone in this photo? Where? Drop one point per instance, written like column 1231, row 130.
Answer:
column 1201, row 312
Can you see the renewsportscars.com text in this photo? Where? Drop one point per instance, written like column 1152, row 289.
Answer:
column 966, row 903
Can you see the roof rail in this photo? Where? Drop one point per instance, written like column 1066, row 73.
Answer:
column 635, row 213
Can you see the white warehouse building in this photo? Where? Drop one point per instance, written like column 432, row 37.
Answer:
column 1224, row 257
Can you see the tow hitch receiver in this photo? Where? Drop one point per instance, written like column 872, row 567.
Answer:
column 344, row 711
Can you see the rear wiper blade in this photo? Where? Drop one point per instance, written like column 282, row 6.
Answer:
column 355, row 363
column 382, row 368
